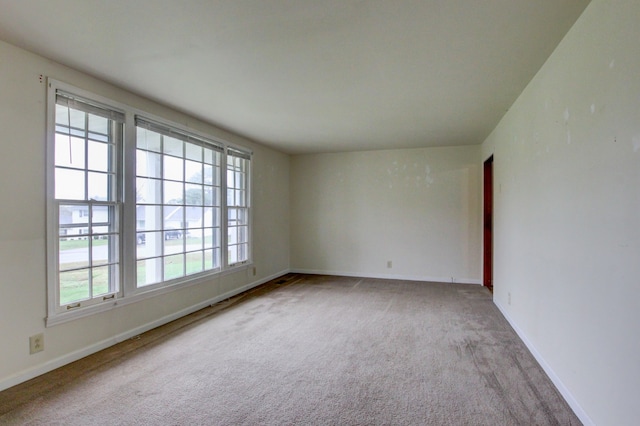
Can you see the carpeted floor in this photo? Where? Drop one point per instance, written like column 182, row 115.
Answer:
column 309, row 350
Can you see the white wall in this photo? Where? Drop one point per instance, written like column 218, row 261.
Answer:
column 419, row 208
column 22, row 225
column 567, row 213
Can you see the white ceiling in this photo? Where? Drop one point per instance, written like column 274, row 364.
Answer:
column 309, row 75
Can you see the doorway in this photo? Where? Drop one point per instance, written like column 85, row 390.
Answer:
column 487, row 274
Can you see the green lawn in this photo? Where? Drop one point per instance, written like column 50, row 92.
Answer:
column 74, row 285
column 74, row 244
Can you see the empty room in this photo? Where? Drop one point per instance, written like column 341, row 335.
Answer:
column 320, row 212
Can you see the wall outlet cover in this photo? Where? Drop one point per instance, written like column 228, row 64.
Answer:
column 36, row 343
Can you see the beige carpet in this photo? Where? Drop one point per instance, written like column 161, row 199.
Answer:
column 309, row 350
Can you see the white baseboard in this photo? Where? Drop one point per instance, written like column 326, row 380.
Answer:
column 388, row 276
column 97, row 347
column 566, row 394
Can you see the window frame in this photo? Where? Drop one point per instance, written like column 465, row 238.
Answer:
column 128, row 291
column 216, row 146
column 232, row 152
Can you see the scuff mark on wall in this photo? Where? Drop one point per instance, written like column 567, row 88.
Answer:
column 567, row 115
column 427, row 178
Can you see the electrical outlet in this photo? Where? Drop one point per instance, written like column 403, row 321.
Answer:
column 36, row 343
column 509, row 298
column 389, row 264
column 255, row 270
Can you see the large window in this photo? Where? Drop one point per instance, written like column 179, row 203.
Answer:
column 177, row 204
column 86, row 204
column 135, row 204
column 237, row 207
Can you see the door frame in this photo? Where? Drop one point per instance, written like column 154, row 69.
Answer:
column 487, row 220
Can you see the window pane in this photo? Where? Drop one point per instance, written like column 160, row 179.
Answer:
column 194, row 262
column 148, row 191
column 173, row 242
column 73, row 253
column 208, row 156
column 242, row 234
column 173, row 168
column 208, row 175
column 149, row 218
column 103, row 215
column 103, row 250
column 193, row 171
column 73, row 214
column 232, row 235
column 62, row 115
column 173, row 266
column 173, row 192
column 77, row 118
column 242, row 252
column 232, row 254
column 172, row 146
column 149, row 271
column 193, row 194
column 98, row 124
column 193, row 152
column 101, row 279
column 194, row 239
column 69, row 151
column 148, row 244
column 209, row 260
column 99, row 187
column 148, row 164
column 74, row 286
column 148, row 140
column 208, row 238
column 230, row 179
column 99, row 158
column 173, row 217
column 241, row 216
column 193, row 217
column 207, row 195
column 69, row 184
column 240, row 201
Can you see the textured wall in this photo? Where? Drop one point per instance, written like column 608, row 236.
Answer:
column 22, row 224
column 567, row 209
column 418, row 208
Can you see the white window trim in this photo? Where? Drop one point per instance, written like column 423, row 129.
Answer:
column 128, row 292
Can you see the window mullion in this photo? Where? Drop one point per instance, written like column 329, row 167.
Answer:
column 128, row 207
column 224, row 225
column 90, row 245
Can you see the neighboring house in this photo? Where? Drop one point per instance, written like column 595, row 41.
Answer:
column 177, row 218
column 73, row 217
